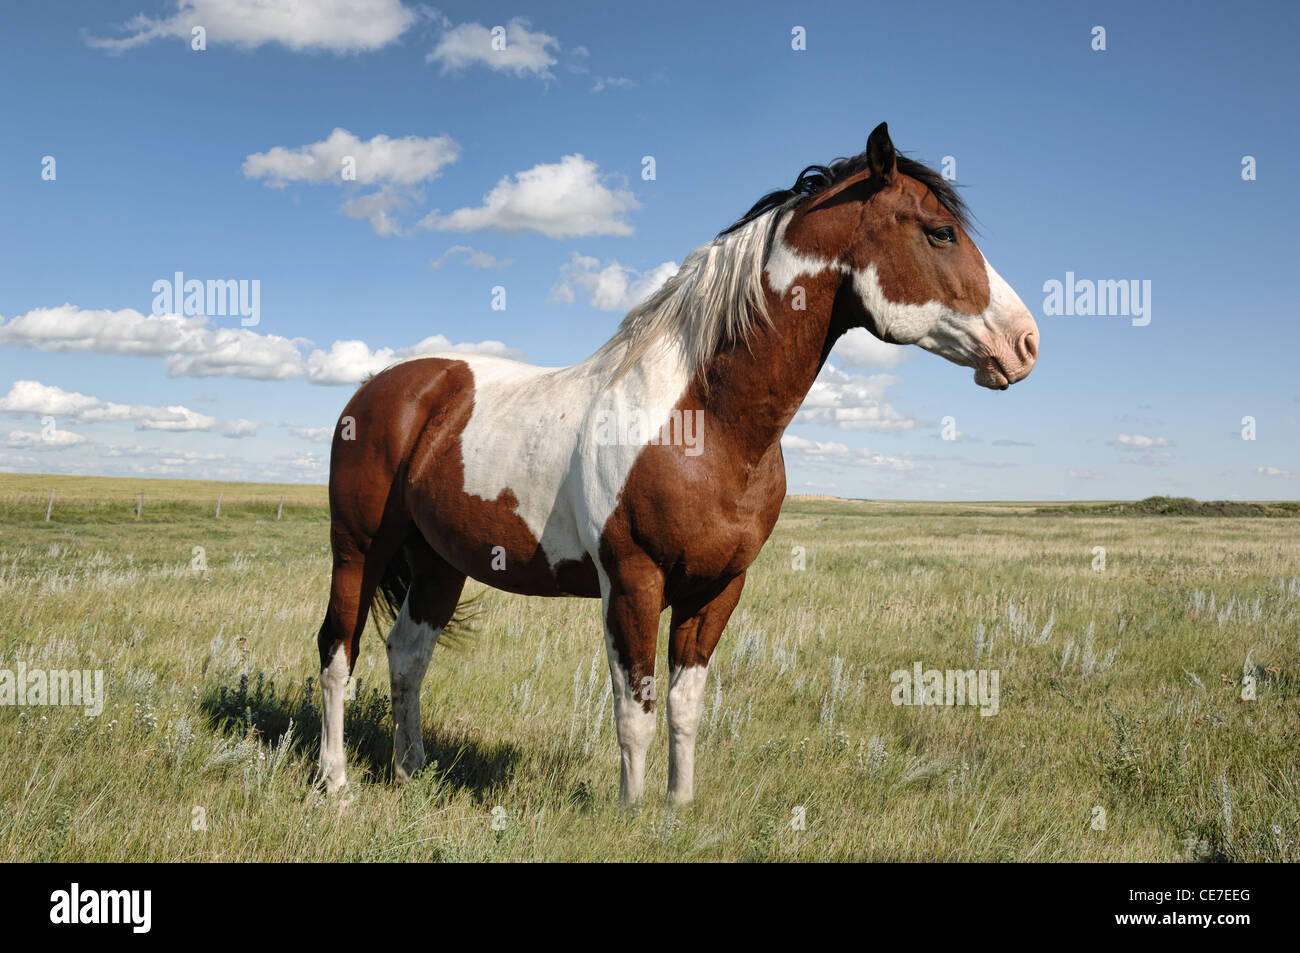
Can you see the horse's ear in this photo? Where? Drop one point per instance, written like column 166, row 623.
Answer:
column 880, row 154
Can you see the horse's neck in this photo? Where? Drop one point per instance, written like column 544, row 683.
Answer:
column 754, row 391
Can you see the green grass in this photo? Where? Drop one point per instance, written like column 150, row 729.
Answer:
column 1119, row 690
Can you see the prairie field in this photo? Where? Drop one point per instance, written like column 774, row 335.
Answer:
column 1121, row 733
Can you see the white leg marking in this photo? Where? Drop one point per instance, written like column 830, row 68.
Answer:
column 333, row 684
column 634, row 725
column 410, row 646
column 685, row 704
column 636, row 729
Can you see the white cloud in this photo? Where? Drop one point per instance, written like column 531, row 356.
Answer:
column 838, row 454
column 340, row 26
column 378, row 208
column 1147, row 451
column 395, row 166
column 33, row 397
column 238, row 352
column 378, row 161
column 56, row 440
column 69, row 328
column 612, row 82
column 314, row 434
column 609, row 285
column 193, row 349
column 852, row 402
column 349, row 362
column 860, row 348
column 472, row 256
column 237, row 429
column 1137, row 441
column 525, row 52
column 1274, row 472
column 562, row 200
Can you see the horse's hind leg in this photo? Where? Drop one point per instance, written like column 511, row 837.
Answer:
column 429, row 605
column 355, row 578
column 337, row 643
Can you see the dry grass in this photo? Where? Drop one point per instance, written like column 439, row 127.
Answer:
column 1119, row 690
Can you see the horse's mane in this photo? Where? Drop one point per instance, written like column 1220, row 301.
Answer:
column 716, row 297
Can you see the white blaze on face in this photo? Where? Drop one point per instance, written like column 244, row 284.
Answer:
column 992, row 342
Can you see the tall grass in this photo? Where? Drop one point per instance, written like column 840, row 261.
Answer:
column 1119, row 689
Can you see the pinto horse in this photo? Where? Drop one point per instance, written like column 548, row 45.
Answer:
column 458, row 466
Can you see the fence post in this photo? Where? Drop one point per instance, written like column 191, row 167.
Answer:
column 49, row 507
column 280, row 510
column 219, row 495
column 139, row 505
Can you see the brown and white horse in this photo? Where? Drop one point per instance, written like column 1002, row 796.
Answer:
column 531, row 480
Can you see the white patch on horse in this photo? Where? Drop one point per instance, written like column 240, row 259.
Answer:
column 565, row 478
column 785, row 263
column 634, row 726
column 961, row 338
column 685, row 705
column 333, row 684
column 410, row 646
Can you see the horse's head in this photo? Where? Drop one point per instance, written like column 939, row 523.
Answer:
column 911, row 274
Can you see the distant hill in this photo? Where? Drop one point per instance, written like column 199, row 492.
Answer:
column 1176, row 506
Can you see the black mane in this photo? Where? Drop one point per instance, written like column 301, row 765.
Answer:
column 818, row 178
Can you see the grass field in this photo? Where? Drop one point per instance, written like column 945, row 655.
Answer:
column 1119, row 693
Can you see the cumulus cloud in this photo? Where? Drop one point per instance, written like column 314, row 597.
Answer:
column 394, row 167
column 471, row 256
column 609, row 285
column 239, row 352
column 379, row 160
column 525, row 52
column 564, row 199
column 837, row 454
column 193, row 349
column 237, row 429
column 33, row 397
column 349, row 362
column 340, row 26
column 860, row 348
column 852, row 402
column 54, row 440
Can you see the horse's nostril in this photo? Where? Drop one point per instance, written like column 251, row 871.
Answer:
column 1028, row 346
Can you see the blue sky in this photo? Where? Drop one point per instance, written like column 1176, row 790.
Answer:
column 523, row 169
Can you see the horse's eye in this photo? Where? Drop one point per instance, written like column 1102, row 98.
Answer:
column 944, row 235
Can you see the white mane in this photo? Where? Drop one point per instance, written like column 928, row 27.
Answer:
column 715, row 299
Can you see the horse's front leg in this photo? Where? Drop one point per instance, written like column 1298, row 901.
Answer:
column 697, row 625
column 633, row 598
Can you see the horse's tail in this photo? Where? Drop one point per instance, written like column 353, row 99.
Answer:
column 391, row 593
column 392, row 590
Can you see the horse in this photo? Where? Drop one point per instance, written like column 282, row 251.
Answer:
column 532, row 480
